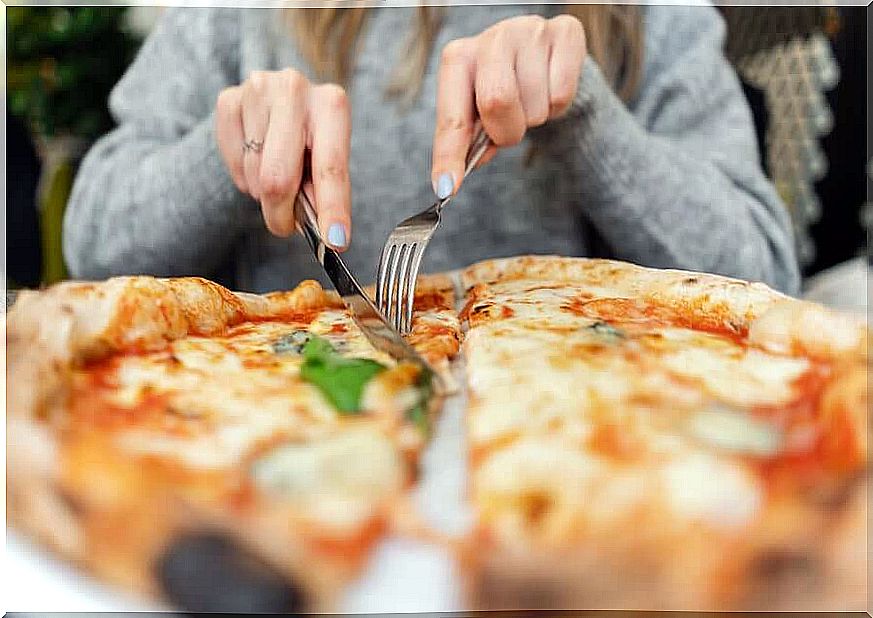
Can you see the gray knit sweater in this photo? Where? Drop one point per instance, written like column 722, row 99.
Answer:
column 672, row 180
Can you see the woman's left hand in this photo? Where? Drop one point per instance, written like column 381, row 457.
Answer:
column 516, row 75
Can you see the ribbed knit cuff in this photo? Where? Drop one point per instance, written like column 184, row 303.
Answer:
column 598, row 134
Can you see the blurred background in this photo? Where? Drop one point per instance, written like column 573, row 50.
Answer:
column 803, row 70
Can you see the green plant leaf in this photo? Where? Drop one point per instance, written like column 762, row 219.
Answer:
column 341, row 380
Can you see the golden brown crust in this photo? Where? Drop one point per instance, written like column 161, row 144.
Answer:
column 625, row 278
column 799, row 327
column 33, row 501
column 771, row 319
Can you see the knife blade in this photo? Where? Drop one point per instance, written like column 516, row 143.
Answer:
column 369, row 319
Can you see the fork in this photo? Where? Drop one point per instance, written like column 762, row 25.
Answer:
column 402, row 253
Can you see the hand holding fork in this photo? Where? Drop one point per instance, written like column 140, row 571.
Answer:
column 402, row 253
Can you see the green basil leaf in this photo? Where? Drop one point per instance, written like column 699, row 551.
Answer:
column 341, row 380
column 318, row 350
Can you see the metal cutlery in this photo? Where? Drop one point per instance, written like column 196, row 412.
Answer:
column 401, row 256
column 380, row 333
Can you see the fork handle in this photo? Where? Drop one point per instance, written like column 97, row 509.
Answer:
column 480, row 144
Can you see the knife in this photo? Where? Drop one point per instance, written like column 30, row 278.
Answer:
column 370, row 320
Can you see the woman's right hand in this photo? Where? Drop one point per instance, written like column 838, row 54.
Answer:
column 282, row 114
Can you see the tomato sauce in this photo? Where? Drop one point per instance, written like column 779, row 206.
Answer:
column 464, row 314
column 434, row 331
column 425, row 301
column 93, row 402
column 625, row 311
column 820, row 444
column 615, row 442
column 95, row 409
column 339, row 328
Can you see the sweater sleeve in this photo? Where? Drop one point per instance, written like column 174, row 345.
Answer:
column 677, row 183
column 153, row 196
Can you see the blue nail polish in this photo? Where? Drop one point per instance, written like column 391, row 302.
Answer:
column 445, row 186
column 336, row 235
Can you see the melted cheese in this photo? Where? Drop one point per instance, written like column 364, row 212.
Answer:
column 714, row 491
column 338, row 481
column 583, row 426
column 736, row 431
column 232, row 393
column 740, row 377
column 552, row 491
column 529, row 380
column 206, row 355
column 217, row 450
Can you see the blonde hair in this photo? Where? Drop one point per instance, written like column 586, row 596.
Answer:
column 328, row 39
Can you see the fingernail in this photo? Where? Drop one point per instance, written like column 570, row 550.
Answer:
column 336, row 235
column 445, row 186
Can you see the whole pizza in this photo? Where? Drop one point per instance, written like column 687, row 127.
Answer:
column 636, row 438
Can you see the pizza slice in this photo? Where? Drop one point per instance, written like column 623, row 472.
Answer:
column 649, row 439
column 222, row 451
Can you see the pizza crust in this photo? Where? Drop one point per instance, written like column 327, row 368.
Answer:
column 700, row 293
column 771, row 319
column 795, row 326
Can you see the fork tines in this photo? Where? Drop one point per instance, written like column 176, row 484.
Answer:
column 401, row 255
column 396, row 279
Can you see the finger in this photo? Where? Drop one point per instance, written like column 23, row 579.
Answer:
column 282, row 156
column 497, row 97
column 532, row 70
column 255, row 118
column 229, row 134
column 568, row 52
column 454, row 118
column 330, row 127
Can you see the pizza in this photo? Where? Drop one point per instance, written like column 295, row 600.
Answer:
column 647, row 439
column 635, row 438
column 219, row 450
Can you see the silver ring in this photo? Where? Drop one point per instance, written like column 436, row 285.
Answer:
column 253, row 145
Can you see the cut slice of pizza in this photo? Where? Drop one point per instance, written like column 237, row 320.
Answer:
column 649, row 439
column 223, row 451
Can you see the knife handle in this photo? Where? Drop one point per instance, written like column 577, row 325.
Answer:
column 304, row 214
